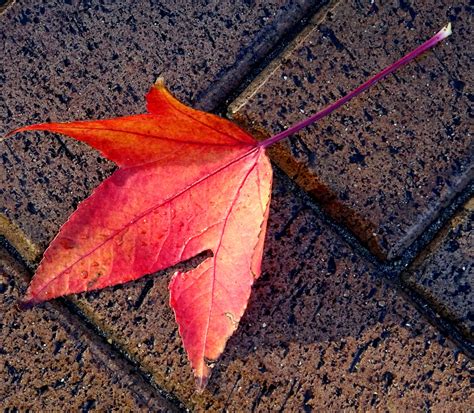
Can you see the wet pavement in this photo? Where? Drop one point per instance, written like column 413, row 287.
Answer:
column 365, row 298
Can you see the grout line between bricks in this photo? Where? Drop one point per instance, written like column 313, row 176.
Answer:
column 96, row 331
column 147, row 377
column 271, row 60
column 4, row 7
column 22, row 244
column 431, row 230
column 391, row 271
column 438, row 321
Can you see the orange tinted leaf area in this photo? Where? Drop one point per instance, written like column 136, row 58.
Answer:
column 187, row 182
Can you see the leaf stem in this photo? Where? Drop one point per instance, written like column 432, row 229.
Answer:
column 442, row 34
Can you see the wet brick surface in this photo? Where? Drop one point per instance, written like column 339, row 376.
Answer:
column 76, row 60
column 321, row 331
column 444, row 273
column 385, row 164
column 49, row 362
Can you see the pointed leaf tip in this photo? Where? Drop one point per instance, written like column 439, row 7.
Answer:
column 160, row 83
column 12, row 132
column 201, row 383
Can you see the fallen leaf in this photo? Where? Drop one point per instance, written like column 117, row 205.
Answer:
column 187, row 182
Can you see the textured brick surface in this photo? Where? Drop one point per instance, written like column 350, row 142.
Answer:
column 444, row 273
column 4, row 4
column 97, row 59
column 48, row 361
column 321, row 331
column 391, row 159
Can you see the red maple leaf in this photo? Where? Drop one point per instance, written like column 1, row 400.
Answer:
column 187, row 182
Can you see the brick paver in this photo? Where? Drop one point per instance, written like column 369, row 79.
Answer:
column 98, row 59
column 50, row 363
column 391, row 159
column 321, row 331
column 444, row 273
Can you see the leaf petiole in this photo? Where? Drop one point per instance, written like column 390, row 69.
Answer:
column 441, row 35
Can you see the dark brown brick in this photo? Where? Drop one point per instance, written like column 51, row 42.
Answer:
column 76, row 60
column 444, row 273
column 389, row 161
column 49, row 362
column 321, row 331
